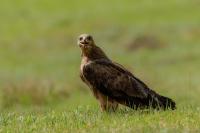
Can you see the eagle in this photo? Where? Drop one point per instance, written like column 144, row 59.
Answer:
column 113, row 84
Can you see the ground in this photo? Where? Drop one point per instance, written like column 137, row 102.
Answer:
column 39, row 64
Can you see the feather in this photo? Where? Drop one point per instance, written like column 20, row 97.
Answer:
column 118, row 84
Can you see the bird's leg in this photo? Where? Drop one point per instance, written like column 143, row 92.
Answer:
column 106, row 103
column 114, row 105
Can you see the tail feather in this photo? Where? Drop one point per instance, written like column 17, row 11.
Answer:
column 153, row 100
column 165, row 102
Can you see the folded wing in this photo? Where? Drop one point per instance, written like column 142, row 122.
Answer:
column 113, row 80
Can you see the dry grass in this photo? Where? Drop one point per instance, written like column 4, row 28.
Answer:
column 146, row 41
column 32, row 92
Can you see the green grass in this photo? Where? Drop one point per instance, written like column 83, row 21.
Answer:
column 78, row 116
column 39, row 62
column 84, row 116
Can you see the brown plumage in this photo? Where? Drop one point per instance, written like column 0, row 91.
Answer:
column 111, row 83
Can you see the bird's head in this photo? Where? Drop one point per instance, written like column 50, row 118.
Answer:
column 85, row 41
column 88, row 47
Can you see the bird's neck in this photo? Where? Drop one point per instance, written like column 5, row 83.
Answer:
column 94, row 53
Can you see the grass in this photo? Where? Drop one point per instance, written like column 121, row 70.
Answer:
column 73, row 117
column 39, row 62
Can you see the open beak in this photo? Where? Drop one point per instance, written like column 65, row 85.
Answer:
column 82, row 43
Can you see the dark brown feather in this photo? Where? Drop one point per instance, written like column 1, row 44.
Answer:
column 118, row 83
column 112, row 80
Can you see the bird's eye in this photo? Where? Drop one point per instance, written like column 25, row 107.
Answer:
column 81, row 38
column 89, row 38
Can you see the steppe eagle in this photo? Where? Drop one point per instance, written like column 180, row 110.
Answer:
column 112, row 84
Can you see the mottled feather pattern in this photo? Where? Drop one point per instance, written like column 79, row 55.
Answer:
column 112, row 83
column 113, row 78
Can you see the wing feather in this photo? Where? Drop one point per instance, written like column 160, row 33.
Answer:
column 113, row 79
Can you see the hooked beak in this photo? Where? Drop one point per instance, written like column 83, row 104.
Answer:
column 82, row 43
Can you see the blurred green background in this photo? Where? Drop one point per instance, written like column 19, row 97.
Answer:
column 39, row 59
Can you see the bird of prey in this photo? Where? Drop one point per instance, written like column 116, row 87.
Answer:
column 112, row 84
